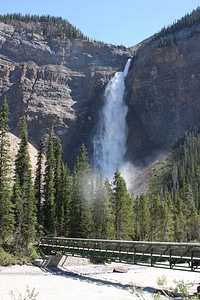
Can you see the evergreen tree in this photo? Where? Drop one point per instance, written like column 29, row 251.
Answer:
column 39, row 182
column 57, row 184
column 64, row 202
column 180, row 220
column 108, row 216
column 81, row 206
column 167, row 228
column 123, row 208
column 142, row 219
column 18, row 205
column 49, row 191
column 6, row 208
column 98, row 208
column 23, row 174
column 103, row 216
column 155, row 221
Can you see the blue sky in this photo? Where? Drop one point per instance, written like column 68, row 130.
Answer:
column 119, row 22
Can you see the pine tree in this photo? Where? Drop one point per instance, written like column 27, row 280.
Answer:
column 98, row 208
column 64, row 202
column 39, row 182
column 108, row 216
column 18, row 205
column 75, row 206
column 180, row 220
column 23, row 173
column 167, row 231
column 6, row 208
column 49, row 191
column 155, row 210
column 103, row 216
column 59, row 214
column 142, row 218
column 81, row 206
column 123, row 208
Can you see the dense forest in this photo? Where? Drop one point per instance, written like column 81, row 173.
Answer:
column 57, row 202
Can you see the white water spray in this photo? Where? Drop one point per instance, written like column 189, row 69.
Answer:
column 110, row 138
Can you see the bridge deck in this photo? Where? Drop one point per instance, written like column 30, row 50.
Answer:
column 172, row 255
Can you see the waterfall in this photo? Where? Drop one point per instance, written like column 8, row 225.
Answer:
column 111, row 134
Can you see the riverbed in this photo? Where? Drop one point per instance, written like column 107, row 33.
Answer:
column 90, row 282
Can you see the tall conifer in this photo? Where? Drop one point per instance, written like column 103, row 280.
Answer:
column 81, row 206
column 123, row 208
column 49, row 191
column 103, row 216
column 142, row 218
column 63, row 206
column 27, row 202
column 6, row 209
column 39, row 182
column 57, row 182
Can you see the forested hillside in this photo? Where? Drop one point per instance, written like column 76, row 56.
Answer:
column 53, row 84
column 79, row 204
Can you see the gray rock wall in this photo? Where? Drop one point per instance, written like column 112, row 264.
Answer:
column 56, row 83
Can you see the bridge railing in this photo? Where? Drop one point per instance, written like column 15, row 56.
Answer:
column 179, row 255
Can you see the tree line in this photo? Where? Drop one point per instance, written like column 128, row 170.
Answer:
column 49, row 26
column 59, row 202
column 56, row 202
column 167, row 35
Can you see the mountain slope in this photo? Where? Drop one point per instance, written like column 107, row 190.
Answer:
column 55, row 81
column 58, row 82
column 163, row 93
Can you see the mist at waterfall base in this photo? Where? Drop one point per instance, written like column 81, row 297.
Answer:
column 111, row 135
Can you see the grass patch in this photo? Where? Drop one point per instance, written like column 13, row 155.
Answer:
column 8, row 258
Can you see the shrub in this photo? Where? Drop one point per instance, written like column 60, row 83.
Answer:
column 31, row 295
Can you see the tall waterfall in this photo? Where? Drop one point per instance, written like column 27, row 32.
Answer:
column 110, row 138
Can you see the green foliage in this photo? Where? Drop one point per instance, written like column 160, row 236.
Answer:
column 6, row 207
column 162, row 281
column 177, row 180
column 57, row 185
column 178, row 175
column 142, row 218
column 5, row 258
column 24, row 195
column 31, row 294
column 8, row 257
column 39, row 182
column 81, row 204
column 49, row 190
column 77, row 205
column 103, row 215
column 63, row 203
column 123, row 208
column 182, row 287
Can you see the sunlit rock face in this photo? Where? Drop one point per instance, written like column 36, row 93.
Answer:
column 59, row 85
column 56, row 83
column 163, row 94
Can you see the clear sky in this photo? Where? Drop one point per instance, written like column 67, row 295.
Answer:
column 119, row 22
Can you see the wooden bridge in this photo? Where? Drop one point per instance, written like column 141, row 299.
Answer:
column 158, row 254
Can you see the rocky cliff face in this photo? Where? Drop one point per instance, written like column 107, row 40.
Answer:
column 55, row 82
column 163, row 94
